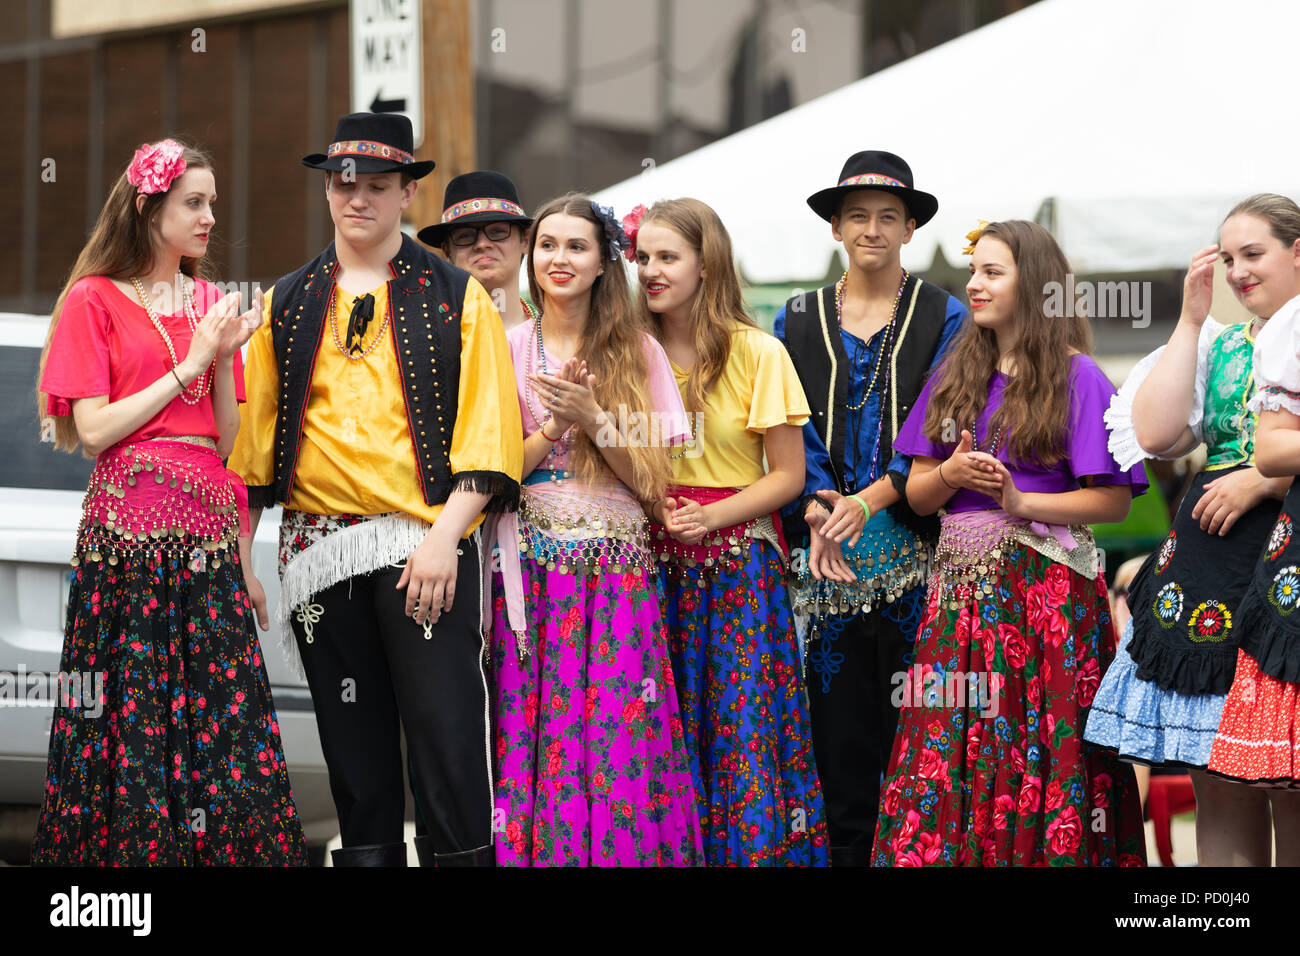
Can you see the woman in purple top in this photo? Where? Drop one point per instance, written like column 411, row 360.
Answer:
column 1009, row 445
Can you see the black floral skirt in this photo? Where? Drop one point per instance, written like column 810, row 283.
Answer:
column 170, row 755
column 1270, row 626
column 1186, row 595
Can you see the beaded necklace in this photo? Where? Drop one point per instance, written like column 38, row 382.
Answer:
column 334, row 327
column 997, row 440
column 204, row 381
column 886, row 348
column 687, row 447
column 889, row 335
column 540, row 415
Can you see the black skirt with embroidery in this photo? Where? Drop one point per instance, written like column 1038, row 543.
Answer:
column 1269, row 625
column 1186, row 597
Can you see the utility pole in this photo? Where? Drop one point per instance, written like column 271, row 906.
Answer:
column 449, row 129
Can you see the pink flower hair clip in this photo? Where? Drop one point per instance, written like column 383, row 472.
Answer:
column 155, row 167
column 631, row 225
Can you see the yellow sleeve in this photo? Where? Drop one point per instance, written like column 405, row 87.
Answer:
column 778, row 397
column 487, row 441
column 253, row 457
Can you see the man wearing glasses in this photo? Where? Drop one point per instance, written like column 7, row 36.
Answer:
column 483, row 231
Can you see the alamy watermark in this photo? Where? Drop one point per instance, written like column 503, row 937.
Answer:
column 89, row 908
column 1099, row 300
column 635, row 429
column 955, row 689
column 169, row 299
column 75, row 689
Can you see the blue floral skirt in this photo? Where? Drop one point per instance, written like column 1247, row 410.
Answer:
column 744, row 711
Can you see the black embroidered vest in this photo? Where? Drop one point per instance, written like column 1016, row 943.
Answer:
column 425, row 296
column 813, row 339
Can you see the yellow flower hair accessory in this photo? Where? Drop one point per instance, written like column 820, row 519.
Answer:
column 974, row 236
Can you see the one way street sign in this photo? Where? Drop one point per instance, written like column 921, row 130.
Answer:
column 387, row 66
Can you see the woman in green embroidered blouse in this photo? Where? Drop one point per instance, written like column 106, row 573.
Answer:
column 1162, row 699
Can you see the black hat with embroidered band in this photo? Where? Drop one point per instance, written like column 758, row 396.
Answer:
column 876, row 169
column 372, row 143
column 478, row 197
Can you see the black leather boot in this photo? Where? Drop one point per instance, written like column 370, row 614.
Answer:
column 374, row 854
column 483, row 856
column 850, row 856
column 424, row 850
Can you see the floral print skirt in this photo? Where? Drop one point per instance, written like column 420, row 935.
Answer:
column 591, row 762
column 989, row 766
column 745, row 710
column 173, row 757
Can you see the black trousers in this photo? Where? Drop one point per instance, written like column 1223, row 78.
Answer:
column 373, row 675
column 854, row 664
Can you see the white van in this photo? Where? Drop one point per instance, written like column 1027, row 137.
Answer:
column 40, row 506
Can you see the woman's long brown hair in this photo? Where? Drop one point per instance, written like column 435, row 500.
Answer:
column 613, row 348
column 719, row 307
column 1035, row 405
column 120, row 246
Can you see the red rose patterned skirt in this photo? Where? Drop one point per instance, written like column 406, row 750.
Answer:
column 989, row 765
column 170, row 755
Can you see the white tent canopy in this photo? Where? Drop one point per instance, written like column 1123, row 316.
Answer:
column 1143, row 121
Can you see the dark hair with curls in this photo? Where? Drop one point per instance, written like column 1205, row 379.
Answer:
column 613, row 348
column 120, row 246
column 1035, row 408
column 718, row 307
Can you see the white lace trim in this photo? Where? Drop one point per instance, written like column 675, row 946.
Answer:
column 358, row 549
column 1274, row 402
column 1123, row 443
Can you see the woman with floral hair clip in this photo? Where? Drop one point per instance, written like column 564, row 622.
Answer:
column 591, row 762
column 1008, row 438
column 141, row 367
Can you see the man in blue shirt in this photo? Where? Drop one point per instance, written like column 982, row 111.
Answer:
column 863, row 348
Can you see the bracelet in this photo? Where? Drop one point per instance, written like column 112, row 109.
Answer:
column 866, row 512
column 178, row 379
column 943, row 479
column 548, row 437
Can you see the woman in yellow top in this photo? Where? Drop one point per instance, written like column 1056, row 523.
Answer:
column 735, row 654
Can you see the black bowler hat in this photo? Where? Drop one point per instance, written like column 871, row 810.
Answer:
column 481, row 196
column 876, row 169
column 376, row 143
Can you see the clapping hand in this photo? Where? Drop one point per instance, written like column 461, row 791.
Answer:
column 973, row 470
column 570, row 397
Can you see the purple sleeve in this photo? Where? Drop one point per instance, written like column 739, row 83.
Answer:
column 910, row 440
column 1086, row 450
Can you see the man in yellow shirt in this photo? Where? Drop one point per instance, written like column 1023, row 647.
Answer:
column 382, row 415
